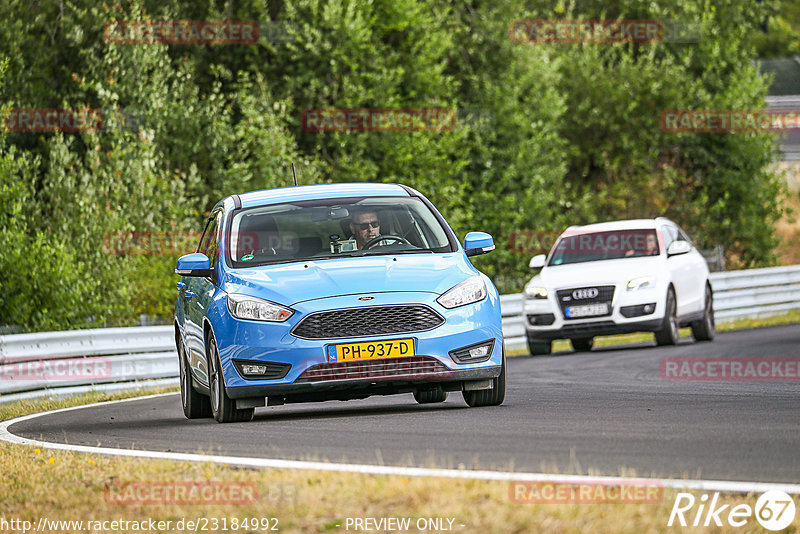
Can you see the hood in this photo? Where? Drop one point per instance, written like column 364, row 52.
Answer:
column 598, row 272
column 291, row 283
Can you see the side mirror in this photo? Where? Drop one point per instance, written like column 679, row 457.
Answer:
column 477, row 243
column 678, row 247
column 537, row 262
column 194, row 265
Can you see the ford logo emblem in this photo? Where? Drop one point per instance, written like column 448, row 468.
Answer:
column 366, row 298
column 588, row 293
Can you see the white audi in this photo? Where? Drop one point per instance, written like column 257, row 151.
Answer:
column 617, row 277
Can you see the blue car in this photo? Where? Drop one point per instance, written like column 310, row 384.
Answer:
column 334, row 292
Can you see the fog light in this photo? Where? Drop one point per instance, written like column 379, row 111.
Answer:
column 638, row 310
column 477, row 352
column 256, row 370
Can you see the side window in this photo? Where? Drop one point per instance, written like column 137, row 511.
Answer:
column 669, row 234
column 682, row 236
column 208, row 243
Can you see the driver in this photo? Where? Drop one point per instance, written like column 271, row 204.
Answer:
column 365, row 226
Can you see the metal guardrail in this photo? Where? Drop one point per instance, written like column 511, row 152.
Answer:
column 77, row 361
column 115, row 359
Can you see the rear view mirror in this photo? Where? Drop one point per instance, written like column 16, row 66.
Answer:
column 476, row 243
column 537, row 262
column 194, row 265
column 678, row 247
column 333, row 213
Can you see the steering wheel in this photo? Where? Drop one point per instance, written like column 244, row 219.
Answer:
column 372, row 242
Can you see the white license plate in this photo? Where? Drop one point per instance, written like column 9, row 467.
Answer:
column 588, row 310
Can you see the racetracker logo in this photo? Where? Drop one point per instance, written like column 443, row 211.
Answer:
column 181, row 32
column 56, row 369
column 585, row 31
column 730, row 120
column 378, row 120
column 588, row 492
column 532, row 241
column 181, row 493
column 52, row 120
column 731, row 369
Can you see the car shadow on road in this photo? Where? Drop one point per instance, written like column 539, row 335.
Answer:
column 312, row 411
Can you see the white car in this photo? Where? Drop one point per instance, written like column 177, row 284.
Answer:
column 611, row 278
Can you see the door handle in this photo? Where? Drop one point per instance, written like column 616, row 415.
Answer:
column 180, row 285
column 189, row 294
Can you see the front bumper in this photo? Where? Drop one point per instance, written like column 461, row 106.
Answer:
column 545, row 318
column 449, row 380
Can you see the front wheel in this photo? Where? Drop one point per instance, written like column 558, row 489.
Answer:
column 705, row 329
column 669, row 332
column 430, row 396
column 223, row 407
column 489, row 397
column 583, row 344
column 539, row 347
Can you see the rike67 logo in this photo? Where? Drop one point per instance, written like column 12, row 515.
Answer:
column 774, row 511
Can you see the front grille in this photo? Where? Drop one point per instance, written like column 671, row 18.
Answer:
column 605, row 294
column 369, row 321
column 416, row 367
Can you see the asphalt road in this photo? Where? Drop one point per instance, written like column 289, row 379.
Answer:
column 607, row 412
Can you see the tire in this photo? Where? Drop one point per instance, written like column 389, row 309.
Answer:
column 670, row 331
column 539, row 347
column 195, row 405
column 430, row 396
column 583, row 344
column 222, row 407
column 489, row 397
column 705, row 329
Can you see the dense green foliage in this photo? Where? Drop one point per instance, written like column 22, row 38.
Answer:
column 552, row 134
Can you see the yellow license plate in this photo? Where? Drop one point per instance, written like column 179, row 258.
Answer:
column 372, row 350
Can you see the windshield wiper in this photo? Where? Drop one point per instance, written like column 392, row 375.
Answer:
column 393, row 252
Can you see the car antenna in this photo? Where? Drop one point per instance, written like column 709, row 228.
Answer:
column 294, row 174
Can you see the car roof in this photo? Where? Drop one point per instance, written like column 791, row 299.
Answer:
column 320, row 191
column 627, row 224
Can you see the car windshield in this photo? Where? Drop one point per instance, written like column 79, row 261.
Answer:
column 332, row 228
column 579, row 248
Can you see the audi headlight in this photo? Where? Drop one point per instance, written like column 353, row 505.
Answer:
column 470, row 290
column 244, row 307
column 643, row 282
column 533, row 292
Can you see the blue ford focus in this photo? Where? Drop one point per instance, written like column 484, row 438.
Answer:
column 334, row 292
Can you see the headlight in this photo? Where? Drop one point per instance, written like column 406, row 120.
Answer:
column 533, row 292
column 470, row 290
column 643, row 282
column 244, row 307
